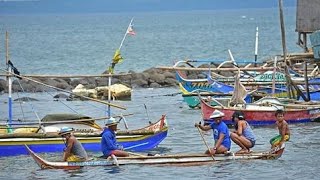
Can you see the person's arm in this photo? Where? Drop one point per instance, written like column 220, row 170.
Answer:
column 240, row 127
column 203, row 128
column 67, row 151
column 219, row 141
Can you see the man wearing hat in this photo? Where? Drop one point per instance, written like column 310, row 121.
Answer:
column 74, row 150
column 243, row 135
column 222, row 142
column 109, row 143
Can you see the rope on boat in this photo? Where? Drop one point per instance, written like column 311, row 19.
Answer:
column 76, row 120
column 32, row 107
column 63, row 90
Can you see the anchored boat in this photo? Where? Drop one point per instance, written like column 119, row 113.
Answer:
column 135, row 140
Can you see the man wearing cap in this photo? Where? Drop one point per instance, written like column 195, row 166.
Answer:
column 109, row 143
column 74, row 150
column 243, row 135
column 220, row 133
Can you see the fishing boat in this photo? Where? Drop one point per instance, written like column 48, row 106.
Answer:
column 192, row 85
column 262, row 112
column 141, row 139
column 193, row 101
column 42, row 135
column 258, row 82
column 175, row 159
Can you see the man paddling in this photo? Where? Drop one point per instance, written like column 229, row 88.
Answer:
column 74, row 150
column 220, row 133
column 109, row 143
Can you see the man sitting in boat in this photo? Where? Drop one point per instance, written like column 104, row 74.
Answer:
column 220, row 133
column 243, row 135
column 109, row 143
column 74, row 150
column 284, row 132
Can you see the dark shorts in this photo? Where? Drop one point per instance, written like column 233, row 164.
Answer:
column 252, row 143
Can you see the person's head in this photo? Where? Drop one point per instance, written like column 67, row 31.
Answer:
column 237, row 115
column 279, row 115
column 217, row 116
column 112, row 123
column 66, row 132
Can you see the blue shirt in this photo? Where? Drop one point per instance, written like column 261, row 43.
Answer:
column 221, row 128
column 108, row 142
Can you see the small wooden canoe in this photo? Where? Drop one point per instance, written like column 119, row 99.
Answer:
column 197, row 159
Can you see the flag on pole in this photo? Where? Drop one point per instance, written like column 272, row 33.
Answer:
column 115, row 60
column 117, row 57
column 130, row 30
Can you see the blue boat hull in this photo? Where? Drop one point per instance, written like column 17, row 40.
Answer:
column 142, row 144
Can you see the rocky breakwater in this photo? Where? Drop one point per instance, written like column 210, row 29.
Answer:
column 151, row 78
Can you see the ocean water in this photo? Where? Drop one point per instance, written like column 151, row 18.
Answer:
column 299, row 161
column 85, row 43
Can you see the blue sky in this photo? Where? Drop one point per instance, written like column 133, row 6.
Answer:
column 94, row 6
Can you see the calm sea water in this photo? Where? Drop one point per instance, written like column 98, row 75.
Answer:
column 300, row 159
column 84, row 44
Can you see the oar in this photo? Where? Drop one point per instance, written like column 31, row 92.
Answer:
column 205, row 142
column 136, row 154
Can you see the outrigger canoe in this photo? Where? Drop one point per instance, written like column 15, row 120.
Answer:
column 186, row 159
column 142, row 139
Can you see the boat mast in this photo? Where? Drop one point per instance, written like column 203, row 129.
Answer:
column 274, row 76
column 256, row 47
column 110, row 72
column 284, row 49
column 290, row 84
column 9, row 79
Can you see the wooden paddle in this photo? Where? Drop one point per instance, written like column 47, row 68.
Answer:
column 205, row 142
column 136, row 154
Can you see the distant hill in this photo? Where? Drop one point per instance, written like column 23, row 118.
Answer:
column 98, row 6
